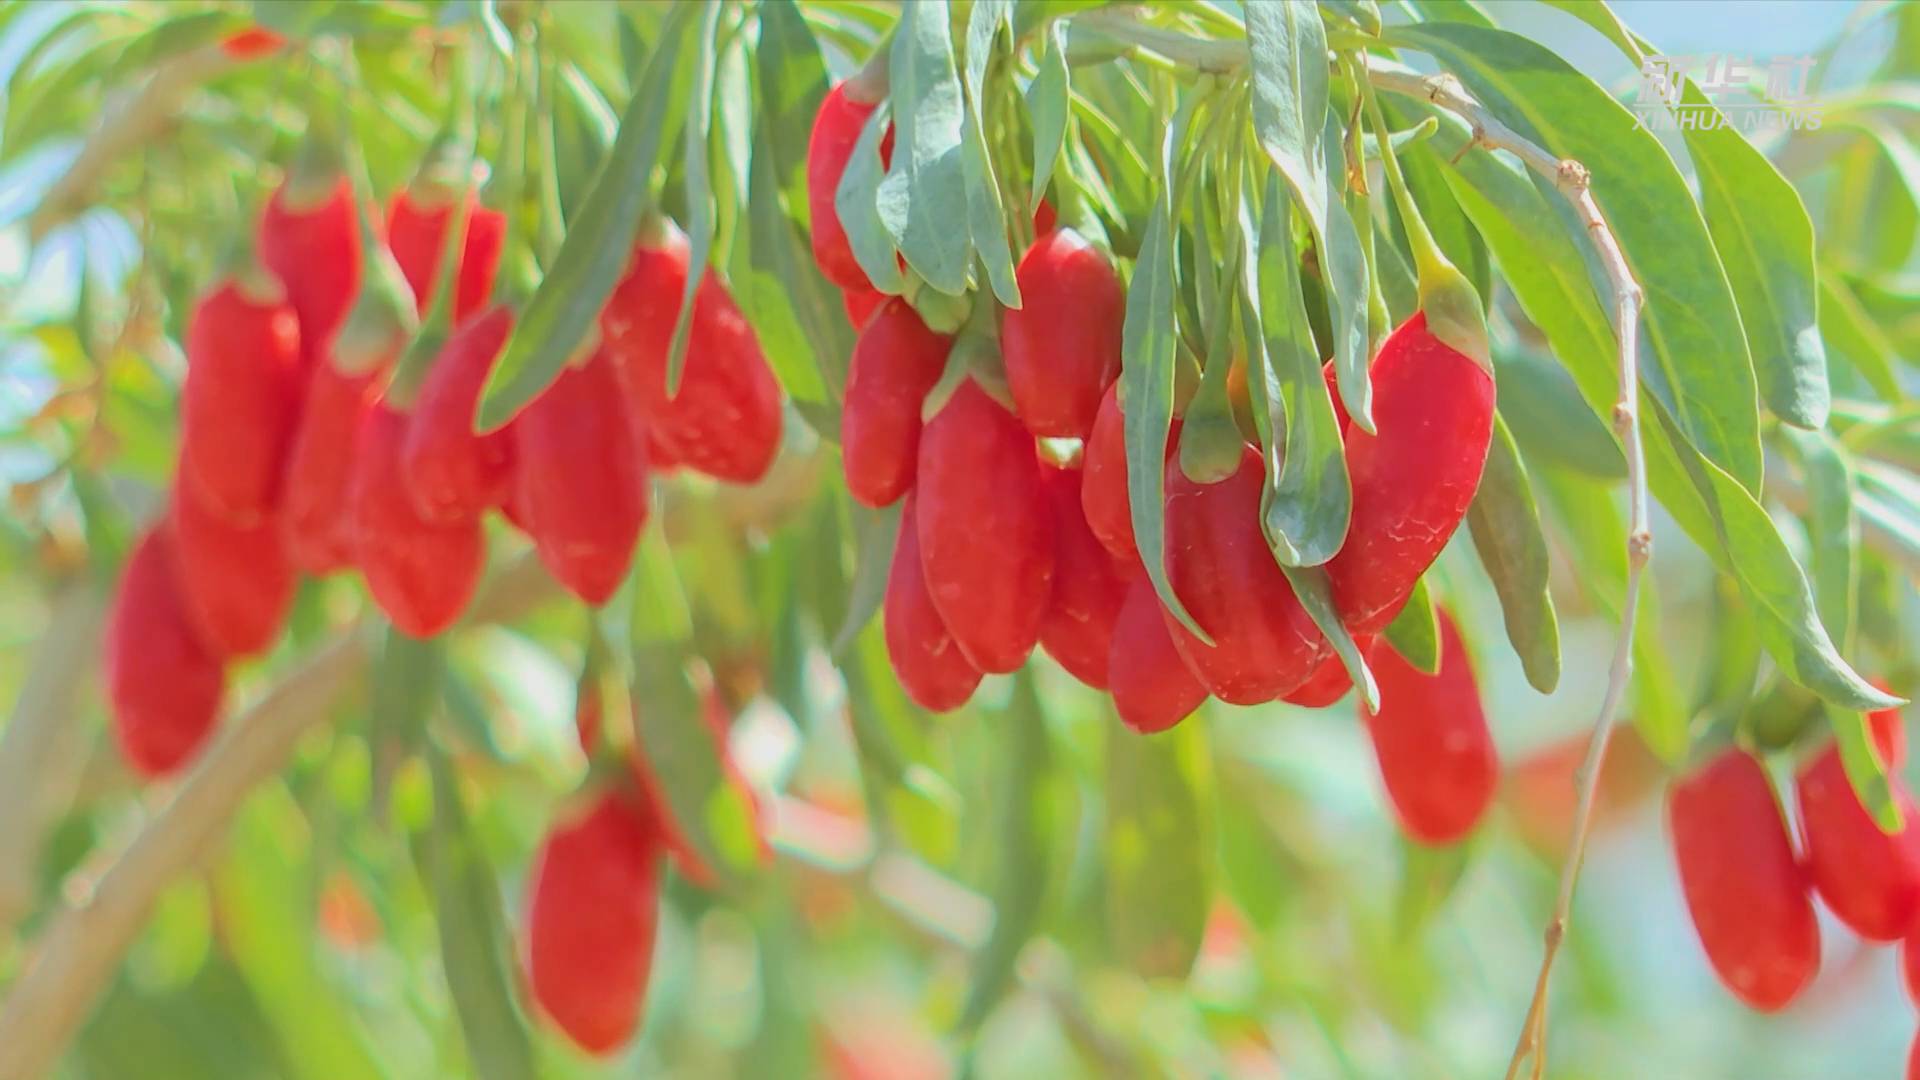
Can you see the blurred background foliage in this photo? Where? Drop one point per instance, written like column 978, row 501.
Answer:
column 323, row 937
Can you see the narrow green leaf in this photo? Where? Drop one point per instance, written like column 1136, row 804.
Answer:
column 792, row 82
column 1310, row 587
column 855, row 201
column 1860, row 758
column 475, row 949
column 1506, row 533
column 1551, row 423
column 1700, row 364
column 696, row 187
column 598, row 245
column 1858, row 337
column 1146, row 376
column 1021, row 870
column 1415, row 632
column 1833, row 531
column 1307, row 500
column 1157, row 849
column 794, row 310
column 875, row 533
column 1363, row 14
column 924, row 193
column 986, row 214
column 1048, row 97
column 1428, row 876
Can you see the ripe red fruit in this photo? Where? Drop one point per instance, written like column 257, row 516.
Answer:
column 1869, row 880
column 836, row 129
column 1103, row 487
column 581, row 479
column 1430, row 737
column 725, row 420
column 861, row 302
column 416, row 233
column 1044, row 218
column 1328, row 683
column 925, row 658
column 1152, row 687
column 421, row 573
column 236, row 579
column 1088, row 587
column 1889, row 733
column 313, row 244
column 1744, row 888
column 252, row 43
column 592, row 910
column 1062, row 346
column 164, row 682
column 896, row 361
column 240, row 399
column 453, row 472
column 1913, row 1060
column 1910, row 966
column 986, row 541
column 315, row 520
column 1218, row 562
column 1413, row 481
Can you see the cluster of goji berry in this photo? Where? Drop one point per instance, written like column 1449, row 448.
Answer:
column 300, row 454
column 1004, row 545
column 1751, row 894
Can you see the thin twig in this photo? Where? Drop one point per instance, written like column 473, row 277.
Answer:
column 84, row 943
column 1571, row 179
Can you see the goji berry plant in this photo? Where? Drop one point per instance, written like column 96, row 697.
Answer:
column 1002, row 537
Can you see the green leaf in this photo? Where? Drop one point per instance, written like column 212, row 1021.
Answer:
column 1700, row 364
column 1290, row 117
column 1307, row 500
column 697, row 188
column 1415, row 632
column 924, row 194
column 1451, row 230
column 792, row 83
column 1858, row 337
column 1310, row 587
column 1157, row 848
column 1551, row 423
column 986, row 215
column 875, row 534
column 1048, row 97
column 1833, row 530
column 1146, row 378
column 1765, row 240
column 598, row 246
column 855, row 202
column 1750, row 548
column 1428, row 876
column 1860, row 758
column 1021, row 871
column 475, row 943
column 1506, row 533
column 1363, row 14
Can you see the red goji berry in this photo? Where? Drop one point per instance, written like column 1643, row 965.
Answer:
column 925, row 658
column 581, row 479
column 1870, row 880
column 1088, row 587
column 416, row 234
column 1153, row 689
column 1430, row 737
column 725, row 419
column 1328, row 683
column 236, row 579
column 861, row 302
column 986, row 541
column 836, row 130
column 1913, row 1059
column 1910, row 965
column 240, row 399
column 165, row 683
column 1889, row 732
column 1103, row 487
column 420, row 572
column 1744, row 888
column 452, row 471
column 313, row 245
column 1219, row 565
column 896, row 361
column 315, row 515
column 1062, row 346
column 1413, row 481
column 252, row 43
column 592, row 911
